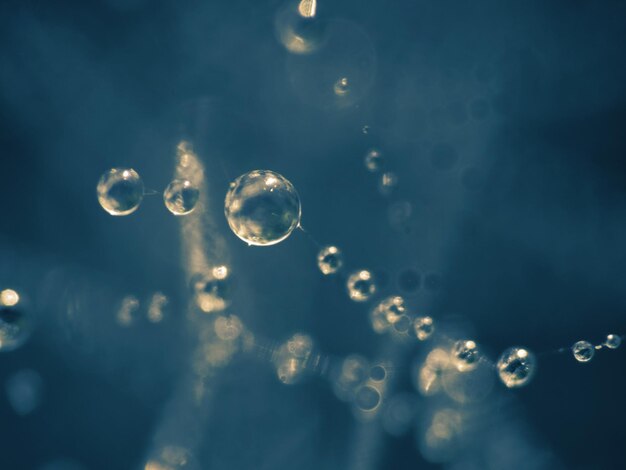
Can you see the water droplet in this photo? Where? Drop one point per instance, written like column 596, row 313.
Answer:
column 212, row 290
column 329, row 260
column 373, row 160
column 423, row 327
column 388, row 182
column 516, row 367
column 583, row 351
column 120, row 191
column 367, row 398
column 465, row 355
column 386, row 313
column 613, row 341
column 262, row 207
column 361, row 286
column 15, row 324
column 181, row 197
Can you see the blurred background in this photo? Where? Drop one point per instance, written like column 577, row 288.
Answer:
column 500, row 211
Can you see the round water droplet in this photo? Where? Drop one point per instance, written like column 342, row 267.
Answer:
column 386, row 313
column 516, row 367
column 292, row 358
column 262, row 207
column 15, row 324
column 613, row 341
column 361, row 286
column 181, row 197
column 373, row 160
column 583, row 351
column 367, row 398
column 342, row 87
column 465, row 355
column 424, row 327
column 329, row 260
column 378, row 373
column 402, row 325
column 212, row 290
column 120, row 191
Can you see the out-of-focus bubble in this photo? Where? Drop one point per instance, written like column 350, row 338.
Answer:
column 329, row 260
column 180, row 197
column 297, row 27
column 378, row 373
column 15, row 323
column 156, row 307
column 120, row 191
column 292, row 358
column 465, row 355
column 172, row 458
column 402, row 325
column 337, row 73
column 398, row 414
column 374, row 160
column 262, row 207
column 429, row 375
column 386, row 313
column 24, row 391
column 409, row 280
column 470, row 386
column 387, row 183
column 212, row 290
column 62, row 464
column 228, row 328
column 352, row 372
column 441, row 440
column 424, row 327
column 613, row 341
column 516, row 367
column 361, row 286
column 127, row 311
column 443, row 156
column 583, row 351
column 367, row 398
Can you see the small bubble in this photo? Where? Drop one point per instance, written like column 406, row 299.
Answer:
column 613, row 341
column 386, row 313
column 423, row 327
column 329, row 260
column 361, row 286
column 341, row 87
column 465, row 355
column 388, row 182
column 15, row 323
column 120, row 191
column 181, row 197
column 365, row 129
column 516, row 367
column 352, row 373
column 262, row 207
column 583, row 351
column 373, row 160
column 378, row 373
column 212, row 291
column 367, row 398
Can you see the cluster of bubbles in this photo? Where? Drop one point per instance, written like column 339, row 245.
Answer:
column 584, row 351
column 121, row 190
column 375, row 162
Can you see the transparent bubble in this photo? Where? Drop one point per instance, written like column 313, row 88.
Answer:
column 352, row 373
column 361, row 286
column 127, row 312
column 329, row 260
column 373, row 160
column 297, row 27
column 430, row 373
column 388, row 182
column 516, row 367
column 15, row 324
column 156, row 307
column 367, row 398
column 24, row 391
column 583, row 351
column 613, row 341
column 465, row 355
column 262, row 207
column 424, row 327
column 62, row 464
column 292, row 358
column 338, row 70
column 378, row 373
column 387, row 312
column 120, row 191
column 212, row 290
column 402, row 325
column 181, row 197
column 228, row 328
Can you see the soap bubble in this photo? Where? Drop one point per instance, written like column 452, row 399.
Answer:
column 298, row 29
column 367, row 398
column 388, row 182
column 24, row 390
column 373, row 160
column 292, row 358
column 423, row 327
column 583, row 351
column 613, row 341
column 352, row 373
column 329, row 260
column 402, row 325
column 516, row 367
column 378, row 373
column 212, row 290
column 15, row 324
column 262, row 207
column 465, row 355
column 361, row 286
column 120, row 191
column 387, row 312
column 341, row 87
column 127, row 312
column 181, row 197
